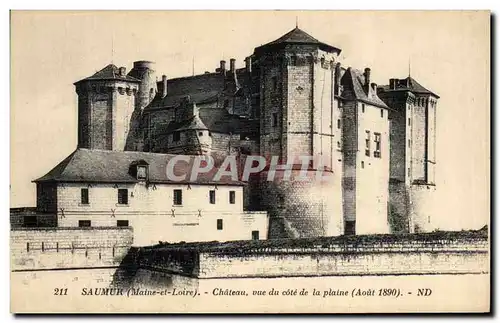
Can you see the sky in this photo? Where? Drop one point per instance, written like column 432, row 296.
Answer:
column 448, row 53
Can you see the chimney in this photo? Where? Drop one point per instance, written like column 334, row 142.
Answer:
column 337, row 78
column 248, row 64
column 232, row 65
column 122, row 71
column 162, row 87
column 222, row 68
column 374, row 87
column 392, row 84
column 367, row 76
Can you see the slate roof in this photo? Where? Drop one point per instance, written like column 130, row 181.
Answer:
column 298, row 36
column 216, row 120
column 201, row 88
column 110, row 72
column 107, row 166
column 353, row 81
column 408, row 84
column 193, row 123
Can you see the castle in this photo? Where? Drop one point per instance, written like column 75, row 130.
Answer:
column 292, row 98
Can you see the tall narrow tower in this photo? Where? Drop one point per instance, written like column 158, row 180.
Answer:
column 299, row 117
column 106, row 101
column 413, row 154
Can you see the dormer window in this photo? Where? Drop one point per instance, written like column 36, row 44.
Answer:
column 142, row 172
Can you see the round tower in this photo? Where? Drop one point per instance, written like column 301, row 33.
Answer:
column 106, row 101
column 144, row 71
column 299, row 117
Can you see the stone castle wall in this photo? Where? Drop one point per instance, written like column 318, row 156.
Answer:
column 430, row 253
column 68, row 248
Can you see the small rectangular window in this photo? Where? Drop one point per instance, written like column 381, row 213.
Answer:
column 212, row 197
column 176, row 136
column 363, row 108
column 362, row 164
column 84, row 196
column 142, row 172
column 200, row 133
column 338, row 123
column 177, row 197
column 122, row 223
column 350, row 228
column 84, row 223
column 122, row 196
column 378, row 145
column 30, row 221
column 232, row 197
column 219, row 224
column 409, row 121
column 275, row 119
column 255, row 235
column 367, row 143
column 381, row 113
column 274, row 83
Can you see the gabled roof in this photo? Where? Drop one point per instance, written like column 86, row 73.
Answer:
column 201, row 88
column 110, row 72
column 298, row 36
column 107, row 166
column 408, row 84
column 353, row 82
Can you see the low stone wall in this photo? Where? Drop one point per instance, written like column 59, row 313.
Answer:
column 426, row 253
column 68, row 248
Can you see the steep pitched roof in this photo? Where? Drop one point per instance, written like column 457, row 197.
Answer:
column 352, row 82
column 408, row 84
column 193, row 123
column 298, row 36
column 107, row 166
column 110, row 72
column 201, row 88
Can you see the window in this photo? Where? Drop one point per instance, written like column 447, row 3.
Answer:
column 409, row 143
column 177, row 197
column 84, row 196
column 122, row 196
column 232, row 197
column 350, row 228
column 210, row 134
column 200, row 133
column 30, row 221
column 274, row 83
column 362, row 164
column 255, row 235
column 363, row 108
column 381, row 113
column 367, row 143
column 176, row 136
column 84, row 223
column 219, row 224
column 339, row 146
column 408, row 171
column 212, row 197
column 142, row 172
column 338, row 123
column 122, row 223
column 409, row 121
column 377, row 151
column 275, row 119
